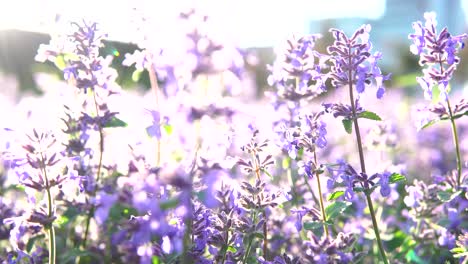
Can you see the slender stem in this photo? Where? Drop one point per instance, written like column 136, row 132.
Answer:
column 292, row 182
column 187, row 240
column 257, row 166
column 265, row 231
column 155, row 88
column 363, row 165
column 322, row 207
column 101, row 143
column 457, row 145
column 247, row 252
column 251, row 238
column 316, row 200
column 454, row 132
column 265, row 239
column 52, row 246
column 52, row 253
column 93, row 193
column 227, row 245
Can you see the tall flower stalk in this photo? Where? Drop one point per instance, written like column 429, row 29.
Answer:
column 155, row 87
column 39, row 168
column 322, row 206
column 297, row 66
column 50, row 205
column 438, row 52
column 87, row 71
column 98, row 174
column 355, row 67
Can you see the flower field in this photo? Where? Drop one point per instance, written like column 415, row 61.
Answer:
column 330, row 164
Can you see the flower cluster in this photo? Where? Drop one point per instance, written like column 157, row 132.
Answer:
column 220, row 191
column 80, row 51
column 438, row 52
column 297, row 67
column 353, row 62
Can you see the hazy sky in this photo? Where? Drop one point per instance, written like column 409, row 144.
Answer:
column 250, row 22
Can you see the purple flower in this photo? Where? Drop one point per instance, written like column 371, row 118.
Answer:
column 343, row 110
column 105, row 202
column 438, row 52
column 300, row 213
column 418, row 38
column 155, row 129
column 213, row 178
column 353, row 63
column 307, row 168
column 85, row 69
column 296, row 68
column 414, row 197
column 384, row 184
column 309, row 135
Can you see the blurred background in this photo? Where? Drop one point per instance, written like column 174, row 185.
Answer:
column 257, row 26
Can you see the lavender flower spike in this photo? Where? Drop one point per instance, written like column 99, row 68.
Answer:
column 437, row 51
column 353, row 63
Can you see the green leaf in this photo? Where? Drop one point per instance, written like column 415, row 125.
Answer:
column 119, row 211
column 136, row 75
column 60, row 62
column 285, row 163
column 232, row 249
column 169, row 204
column 457, row 250
column 396, row 177
column 435, row 94
column 348, row 125
column 300, row 153
column 335, row 195
column 312, row 225
column 168, row 129
column 201, row 195
column 155, row 260
column 460, row 115
column 336, row 208
column 71, row 254
column 32, row 241
column 430, row 123
column 115, row 122
column 370, row 115
column 257, row 235
column 267, row 173
column 366, row 191
column 412, row 257
column 447, row 196
column 61, row 221
column 397, row 240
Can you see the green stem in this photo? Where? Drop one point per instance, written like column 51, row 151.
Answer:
column 52, row 246
column 227, row 246
column 306, row 180
column 457, row 145
column 101, row 152
column 187, row 241
column 363, row 166
column 292, row 183
column 247, row 252
column 322, row 207
column 265, row 239
column 52, row 253
column 155, row 88
column 454, row 132
column 251, row 238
